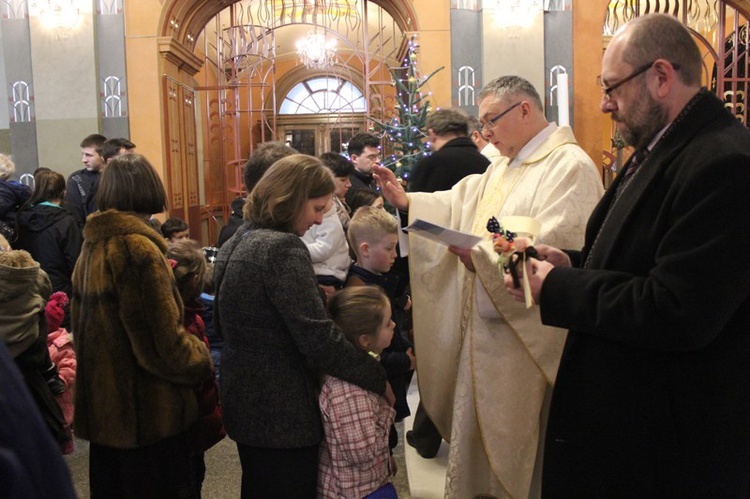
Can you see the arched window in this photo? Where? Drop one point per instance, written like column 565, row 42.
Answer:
column 323, row 95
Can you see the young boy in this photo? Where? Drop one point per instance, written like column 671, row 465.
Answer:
column 373, row 235
column 175, row 229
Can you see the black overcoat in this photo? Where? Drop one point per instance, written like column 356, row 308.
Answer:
column 652, row 398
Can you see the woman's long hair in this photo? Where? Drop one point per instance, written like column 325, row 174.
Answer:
column 48, row 186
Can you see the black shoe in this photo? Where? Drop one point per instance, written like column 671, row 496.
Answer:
column 427, row 451
column 410, row 439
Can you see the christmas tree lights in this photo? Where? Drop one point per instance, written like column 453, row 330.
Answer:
column 406, row 131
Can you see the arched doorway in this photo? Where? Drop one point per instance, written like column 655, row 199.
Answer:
column 720, row 29
column 222, row 95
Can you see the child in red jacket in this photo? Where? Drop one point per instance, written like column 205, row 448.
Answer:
column 189, row 268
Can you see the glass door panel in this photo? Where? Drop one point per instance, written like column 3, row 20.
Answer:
column 303, row 140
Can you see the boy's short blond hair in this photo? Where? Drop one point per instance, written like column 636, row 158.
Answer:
column 370, row 225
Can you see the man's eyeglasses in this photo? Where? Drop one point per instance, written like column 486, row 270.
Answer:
column 491, row 122
column 607, row 90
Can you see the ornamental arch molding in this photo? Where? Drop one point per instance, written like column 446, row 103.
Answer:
column 183, row 20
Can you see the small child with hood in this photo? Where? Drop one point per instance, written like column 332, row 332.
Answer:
column 189, row 268
column 24, row 289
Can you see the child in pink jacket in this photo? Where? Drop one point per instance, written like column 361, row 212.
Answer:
column 61, row 352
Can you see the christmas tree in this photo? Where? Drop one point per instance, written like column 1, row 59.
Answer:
column 406, row 129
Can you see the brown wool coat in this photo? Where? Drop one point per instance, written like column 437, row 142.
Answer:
column 136, row 364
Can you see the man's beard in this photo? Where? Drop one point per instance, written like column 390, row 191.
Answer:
column 643, row 123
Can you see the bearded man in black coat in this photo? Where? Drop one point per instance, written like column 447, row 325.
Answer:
column 652, row 397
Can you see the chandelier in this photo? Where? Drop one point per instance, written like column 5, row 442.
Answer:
column 514, row 15
column 315, row 52
column 57, row 13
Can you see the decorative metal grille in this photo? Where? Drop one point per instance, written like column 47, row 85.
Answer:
column 109, row 7
column 14, row 9
column 242, row 101
column 465, row 5
column 730, row 73
column 112, row 104
column 721, row 31
column 21, row 102
column 557, row 5
column 698, row 15
column 27, row 179
column 466, row 86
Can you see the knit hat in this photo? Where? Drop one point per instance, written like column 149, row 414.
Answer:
column 54, row 310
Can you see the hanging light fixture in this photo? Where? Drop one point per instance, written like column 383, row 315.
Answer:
column 57, row 14
column 315, row 52
column 515, row 15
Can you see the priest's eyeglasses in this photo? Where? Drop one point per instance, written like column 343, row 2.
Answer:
column 490, row 123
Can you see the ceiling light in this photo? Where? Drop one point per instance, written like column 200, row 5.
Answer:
column 315, row 52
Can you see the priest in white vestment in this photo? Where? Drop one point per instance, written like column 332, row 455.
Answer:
column 486, row 364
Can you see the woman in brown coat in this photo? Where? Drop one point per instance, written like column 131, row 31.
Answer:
column 136, row 365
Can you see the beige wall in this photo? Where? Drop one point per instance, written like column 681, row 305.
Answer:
column 66, row 97
column 433, row 20
column 144, row 83
column 518, row 52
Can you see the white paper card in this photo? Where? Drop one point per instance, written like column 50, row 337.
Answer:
column 443, row 235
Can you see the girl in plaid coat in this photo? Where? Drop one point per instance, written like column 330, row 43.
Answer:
column 354, row 457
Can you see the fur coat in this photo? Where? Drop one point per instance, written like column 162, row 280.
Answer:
column 137, row 366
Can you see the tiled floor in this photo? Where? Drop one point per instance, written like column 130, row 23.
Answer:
column 426, row 477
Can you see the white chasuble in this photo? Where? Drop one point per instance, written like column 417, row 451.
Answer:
column 483, row 381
